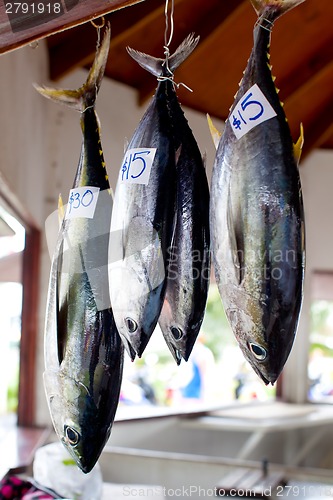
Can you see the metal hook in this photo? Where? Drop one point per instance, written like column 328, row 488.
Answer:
column 167, row 42
column 170, row 79
column 98, row 27
column 34, row 44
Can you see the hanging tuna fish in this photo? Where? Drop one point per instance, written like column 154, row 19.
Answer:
column 257, row 221
column 144, row 205
column 83, row 350
column 189, row 254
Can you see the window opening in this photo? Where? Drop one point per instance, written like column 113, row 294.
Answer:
column 320, row 364
column 12, row 237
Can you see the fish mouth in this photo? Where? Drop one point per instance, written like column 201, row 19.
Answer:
column 266, row 377
column 139, row 340
column 141, row 346
column 177, row 355
column 86, row 468
column 86, row 464
column 269, row 379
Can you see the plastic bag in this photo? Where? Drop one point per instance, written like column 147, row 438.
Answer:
column 54, row 468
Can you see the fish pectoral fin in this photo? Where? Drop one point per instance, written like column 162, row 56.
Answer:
column 178, row 153
column 236, row 244
column 61, row 316
column 204, row 159
column 216, row 134
column 299, row 145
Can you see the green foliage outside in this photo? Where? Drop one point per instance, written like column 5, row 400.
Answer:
column 215, row 326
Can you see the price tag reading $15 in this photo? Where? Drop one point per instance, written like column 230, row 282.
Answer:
column 137, row 165
column 82, row 202
column 250, row 110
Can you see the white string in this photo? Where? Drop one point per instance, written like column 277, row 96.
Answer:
column 260, row 20
column 170, row 78
column 167, row 42
column 98, row 28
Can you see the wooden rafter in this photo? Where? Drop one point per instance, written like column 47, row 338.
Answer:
column 18, row 29
column 301, row 54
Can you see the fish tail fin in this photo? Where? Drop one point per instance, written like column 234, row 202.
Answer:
column 86, row 95
column 183, row 51
column 279, row 6
column 156, row 65
column 299, row 145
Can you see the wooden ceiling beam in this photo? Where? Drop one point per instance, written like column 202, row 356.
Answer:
column 19, row 28
column 208, row 23
column 78, row 49
column 72, row 53
column 303, row 73
column 320, row 130
column 146, row 35
column 312, row 104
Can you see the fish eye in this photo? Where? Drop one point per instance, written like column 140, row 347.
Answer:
column 132, row 325
column 72, row 436
column 176, row 333
column 259, row 352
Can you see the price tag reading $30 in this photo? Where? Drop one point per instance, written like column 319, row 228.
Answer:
column 82, row 202
column 250, row 110
column 137, row 165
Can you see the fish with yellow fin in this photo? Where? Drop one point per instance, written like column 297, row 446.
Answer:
column 83, row 350
column 256, row 211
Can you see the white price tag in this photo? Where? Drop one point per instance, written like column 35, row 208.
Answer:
column 137, row 165
column 82, row 202
column 250, row 110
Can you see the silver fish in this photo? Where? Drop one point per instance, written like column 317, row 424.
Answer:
column 257, row 220
column 144, row 209
column 83, row 350
column 189, row 254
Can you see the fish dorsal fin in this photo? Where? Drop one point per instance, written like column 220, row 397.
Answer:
column 61, row 210
column 299, row 145
column 236, row 243
column 216, row 134
column 177, row 154
column 155, row 65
